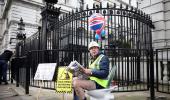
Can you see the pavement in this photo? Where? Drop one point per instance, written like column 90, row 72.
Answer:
column 11, row 92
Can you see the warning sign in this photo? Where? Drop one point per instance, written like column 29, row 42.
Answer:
column 64, row 81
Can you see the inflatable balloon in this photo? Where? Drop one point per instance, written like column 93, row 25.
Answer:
column 97, row 37
column 100, row 35
column 98, row 32
column 96, row 22
column 103, row 33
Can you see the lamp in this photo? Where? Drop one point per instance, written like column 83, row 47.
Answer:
column 21, row 27
column 20, row 34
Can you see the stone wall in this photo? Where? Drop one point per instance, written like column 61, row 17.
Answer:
column 160, row 12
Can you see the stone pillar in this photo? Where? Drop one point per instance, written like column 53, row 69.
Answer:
column 49, row 15
column 165, row 72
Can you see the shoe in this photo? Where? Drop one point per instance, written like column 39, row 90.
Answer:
column 0, row 83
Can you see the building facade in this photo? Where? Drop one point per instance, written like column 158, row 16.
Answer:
column 160, row 12
column 11, row 13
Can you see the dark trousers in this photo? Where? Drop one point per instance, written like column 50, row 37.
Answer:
column 3, row 70
column 75, row 97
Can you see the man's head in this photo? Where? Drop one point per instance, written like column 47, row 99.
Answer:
column 9, row 53
column 93, row 48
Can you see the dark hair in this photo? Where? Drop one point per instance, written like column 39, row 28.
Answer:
column 8, row 51
column 6, row 55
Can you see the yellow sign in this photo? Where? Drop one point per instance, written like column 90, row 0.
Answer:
column 64, row 81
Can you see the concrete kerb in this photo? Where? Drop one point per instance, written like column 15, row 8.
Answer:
column 46, row 94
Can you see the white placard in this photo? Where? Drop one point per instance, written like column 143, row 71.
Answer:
column 45, row 71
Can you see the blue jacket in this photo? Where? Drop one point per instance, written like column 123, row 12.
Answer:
column 6, row 55
column 104, row 68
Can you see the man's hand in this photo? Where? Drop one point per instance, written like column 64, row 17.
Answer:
column 87, row 71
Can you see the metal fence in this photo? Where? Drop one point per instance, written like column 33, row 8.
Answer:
column 61, row 57
column 127, row 43
column 131, row 75
column 20, row 72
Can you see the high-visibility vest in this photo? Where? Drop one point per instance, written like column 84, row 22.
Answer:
column 95, row 65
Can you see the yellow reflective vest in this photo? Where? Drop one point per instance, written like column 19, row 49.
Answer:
column 95, row 65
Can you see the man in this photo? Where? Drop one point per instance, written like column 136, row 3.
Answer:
column 98, row 71
column 4, row 58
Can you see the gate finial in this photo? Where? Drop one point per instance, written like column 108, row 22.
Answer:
column 100, row 4
column 93, row 5
column 131, row 8
column 126, row 6
column 51, row 1
column 107, row 5
column 87, row 7
column 120, row 6
column 114, row 5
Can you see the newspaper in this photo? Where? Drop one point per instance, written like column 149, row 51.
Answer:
column 76, row 69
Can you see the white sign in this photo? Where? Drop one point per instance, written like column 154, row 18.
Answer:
column 45, row 71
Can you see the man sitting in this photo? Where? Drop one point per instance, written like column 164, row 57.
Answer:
column 97, row 71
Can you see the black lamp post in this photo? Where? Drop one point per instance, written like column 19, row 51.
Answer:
column 20, row 34
column 21, row 27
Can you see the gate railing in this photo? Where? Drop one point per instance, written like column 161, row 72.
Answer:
column 131, row 75
column 128, row 73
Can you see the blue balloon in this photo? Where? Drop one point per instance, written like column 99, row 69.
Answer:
column 103, row 32
column 97, row 36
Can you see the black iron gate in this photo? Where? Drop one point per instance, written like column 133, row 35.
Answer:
column 127, row 43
